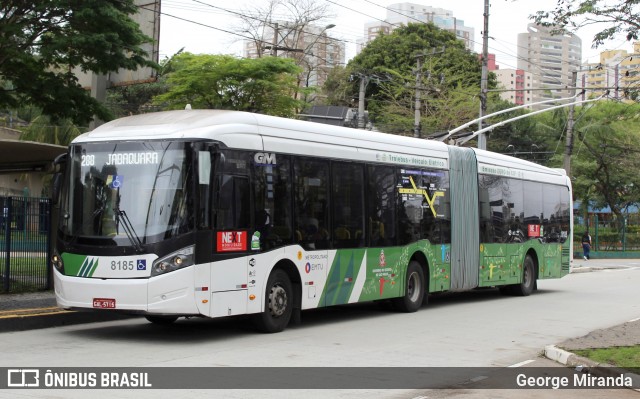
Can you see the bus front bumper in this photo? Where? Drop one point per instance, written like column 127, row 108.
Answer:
column 171, row 293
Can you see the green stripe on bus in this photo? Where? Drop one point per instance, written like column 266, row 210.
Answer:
column 84, row 267
column 95, row 266
column 342, row 277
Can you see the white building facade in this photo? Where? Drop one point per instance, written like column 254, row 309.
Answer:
column 405, row 13
column 312, row 48
column 551, row 60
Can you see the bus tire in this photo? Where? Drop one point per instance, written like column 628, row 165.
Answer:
column 525, row 288
column 278, row 305
column 161, row 320
column 414, row 291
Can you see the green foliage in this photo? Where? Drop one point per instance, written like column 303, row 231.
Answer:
column 43, row 130
column 133, row 99
column 41, row 42
column 605, row 163
column 138, row 98
column 264, row 85
column 336, row 89
column 448, row 102
column 619, row 16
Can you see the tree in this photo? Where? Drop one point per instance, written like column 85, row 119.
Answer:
column 607, row 157
column 619, row 16
column 43, row 130
column 138, row 98
column 41, row 42
column 296, row 28
column 450, row 78
column 264, row 85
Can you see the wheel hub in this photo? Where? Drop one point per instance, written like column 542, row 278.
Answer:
column 413, row 287
column 277, row 301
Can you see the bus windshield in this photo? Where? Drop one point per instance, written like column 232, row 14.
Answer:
column 127, row 194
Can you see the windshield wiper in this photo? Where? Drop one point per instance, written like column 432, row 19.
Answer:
column 121, row 215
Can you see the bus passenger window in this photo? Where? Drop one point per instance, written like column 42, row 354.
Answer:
column 233, row 205
column 272, row 202
column 311, row 203
column 381, row 194
column 348, row 205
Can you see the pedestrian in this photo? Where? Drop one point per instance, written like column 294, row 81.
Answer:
column 586, row 245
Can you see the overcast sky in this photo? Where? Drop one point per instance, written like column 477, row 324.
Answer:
column 201, row 27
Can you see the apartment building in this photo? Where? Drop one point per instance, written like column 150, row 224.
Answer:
column 551, row 60
column 311, row 46
column 618, row 71
column 405, row 13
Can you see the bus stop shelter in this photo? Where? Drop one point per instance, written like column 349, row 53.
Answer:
column 18, row 156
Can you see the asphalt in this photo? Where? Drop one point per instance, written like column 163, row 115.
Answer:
column 35, row 310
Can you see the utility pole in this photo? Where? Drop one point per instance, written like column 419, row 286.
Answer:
column 417, row 126
column 364, row 81
column 416, row 122
column 569, row 139
column 274, row 42
column 482, row 140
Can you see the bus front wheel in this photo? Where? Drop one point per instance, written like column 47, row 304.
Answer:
column 414, row 289
column 278, row 304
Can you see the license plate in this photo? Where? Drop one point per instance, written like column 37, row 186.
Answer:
column 104, row 303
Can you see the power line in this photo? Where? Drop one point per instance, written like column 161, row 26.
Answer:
column 542, row 69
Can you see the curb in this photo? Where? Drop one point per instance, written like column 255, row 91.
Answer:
column 580, row 269
column 583, row 364
column 59, row 318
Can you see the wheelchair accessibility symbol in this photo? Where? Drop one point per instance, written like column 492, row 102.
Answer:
column 114, row 181
column 141, row 264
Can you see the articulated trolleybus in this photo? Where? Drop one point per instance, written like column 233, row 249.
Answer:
column 222, row 213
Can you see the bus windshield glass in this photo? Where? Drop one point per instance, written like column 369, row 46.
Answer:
column 127, row 194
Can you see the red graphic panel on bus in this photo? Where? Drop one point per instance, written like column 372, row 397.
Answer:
column 534, row 230
column 230, row 241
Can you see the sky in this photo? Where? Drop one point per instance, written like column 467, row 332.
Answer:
column 203, row 26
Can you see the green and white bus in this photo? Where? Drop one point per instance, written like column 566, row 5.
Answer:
column 220, row 213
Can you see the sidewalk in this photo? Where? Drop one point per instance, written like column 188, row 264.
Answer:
column 626, row 334
column 584, row 266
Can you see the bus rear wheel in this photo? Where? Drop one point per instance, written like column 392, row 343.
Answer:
column 525, row 288
column 278, row 305
column 414, row 291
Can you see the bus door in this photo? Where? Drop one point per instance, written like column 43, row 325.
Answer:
column 231, row 223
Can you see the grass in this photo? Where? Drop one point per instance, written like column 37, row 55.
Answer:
column 626, row 357
column 25, row 267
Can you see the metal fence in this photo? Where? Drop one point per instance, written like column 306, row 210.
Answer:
column 25, row 244
column 608, row 234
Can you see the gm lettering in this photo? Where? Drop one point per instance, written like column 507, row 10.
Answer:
column 264, row 158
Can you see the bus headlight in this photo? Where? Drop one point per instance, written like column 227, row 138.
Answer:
column 56, row 261
column 173, row 261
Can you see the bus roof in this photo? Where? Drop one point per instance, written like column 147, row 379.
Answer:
column 269, row 133
column 213, row 123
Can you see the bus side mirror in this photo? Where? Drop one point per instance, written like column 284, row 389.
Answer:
column 59, row 165
column 55, row 189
